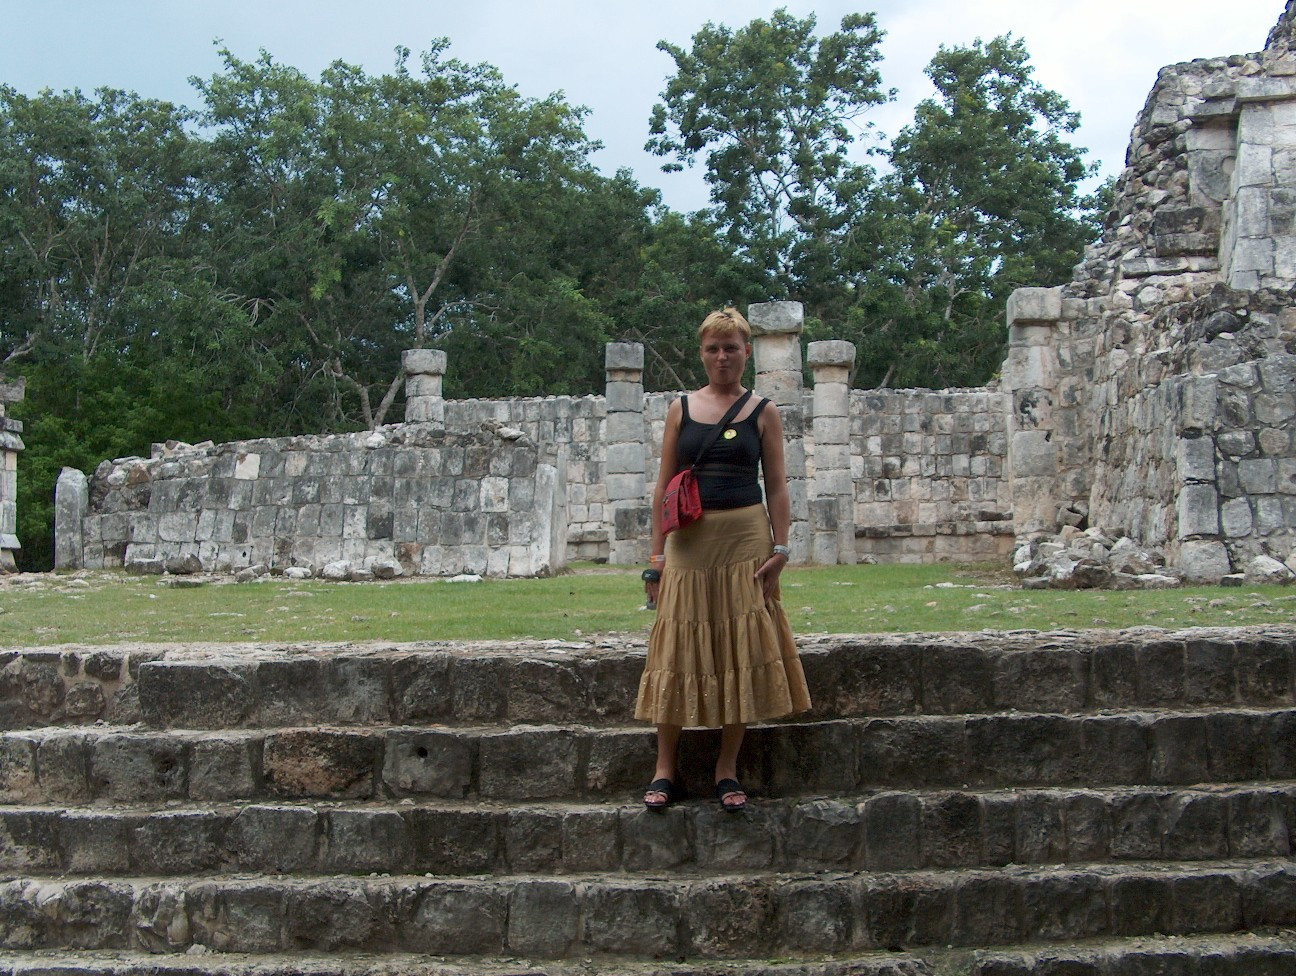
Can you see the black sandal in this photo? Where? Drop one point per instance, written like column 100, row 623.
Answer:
column 730, row 787
column 663, row 786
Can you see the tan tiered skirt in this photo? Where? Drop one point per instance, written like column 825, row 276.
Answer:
column 719, row 654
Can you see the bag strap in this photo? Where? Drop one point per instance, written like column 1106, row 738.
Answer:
column 715, row 434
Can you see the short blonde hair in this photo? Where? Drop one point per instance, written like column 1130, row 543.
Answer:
column 723, row 322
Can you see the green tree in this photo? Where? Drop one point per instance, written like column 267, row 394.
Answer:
column 367, row 215
column 776, row 110
column 982, row 198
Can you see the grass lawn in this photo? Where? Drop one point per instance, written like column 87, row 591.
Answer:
column 105, row 607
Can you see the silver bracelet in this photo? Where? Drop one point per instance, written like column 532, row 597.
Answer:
column 783, row 551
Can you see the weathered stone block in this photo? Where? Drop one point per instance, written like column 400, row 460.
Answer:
column 1034, row 305
column 456, row 918
column 732, row 918
column 321, row 763
column 631, row 919
column 1198, row 511
column 360, row 841
column 275, row 840
column 534, row 764
column 428, row 763
column 339, row 915
column 129, row 767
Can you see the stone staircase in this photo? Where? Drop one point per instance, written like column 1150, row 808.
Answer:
column 988, row 804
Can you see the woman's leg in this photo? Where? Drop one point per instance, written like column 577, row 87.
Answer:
column 667, row 745
column 731, row 740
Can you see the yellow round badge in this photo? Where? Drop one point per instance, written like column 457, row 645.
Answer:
column 730, row 434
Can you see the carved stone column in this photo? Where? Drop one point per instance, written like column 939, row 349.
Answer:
column 10, row 444
column 1030, row 375
column 776, row 341
column 832, row 501
column 424, row 376
column 626, row 461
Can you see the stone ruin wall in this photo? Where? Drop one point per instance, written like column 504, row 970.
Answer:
column 521, row 486
column 404, row 500
column 1155, row 393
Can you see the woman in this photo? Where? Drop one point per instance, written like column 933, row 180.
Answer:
column 721, row 653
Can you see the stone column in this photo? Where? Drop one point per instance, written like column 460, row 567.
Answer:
column 424, row 373
column 625, row 463
column 1258, row 244
column 71, row 504
column 1030, row 376
column 776, row 340
column 10, row 444
column 832, row 493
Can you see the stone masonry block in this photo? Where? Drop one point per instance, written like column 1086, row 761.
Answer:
column 623, row 356
column 276, row 840
column 534, row 763
column 629, row 918
column 1034, row 305
column 776, row 317
column 1198, row 511
column 833, row 352
column 321, row 763
column 416, row 361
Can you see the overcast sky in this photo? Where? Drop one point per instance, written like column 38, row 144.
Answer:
column 1101, row 55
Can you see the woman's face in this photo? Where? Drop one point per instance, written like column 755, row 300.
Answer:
column 724, row 356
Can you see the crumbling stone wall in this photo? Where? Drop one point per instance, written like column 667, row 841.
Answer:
column 929, row 473
column 409, row 499
column 1155, row 392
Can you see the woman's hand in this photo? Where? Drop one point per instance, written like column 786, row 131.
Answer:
column 768, row 575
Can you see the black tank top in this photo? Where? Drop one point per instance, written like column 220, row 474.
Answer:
column 727, row 476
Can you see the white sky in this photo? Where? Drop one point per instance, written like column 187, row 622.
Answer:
column 1101, row 55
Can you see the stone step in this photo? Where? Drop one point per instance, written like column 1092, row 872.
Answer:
column 1234, row 954
column 879, row 832
column 595, row 682
column 111, row 963
column 734, row 916
column 529, row 763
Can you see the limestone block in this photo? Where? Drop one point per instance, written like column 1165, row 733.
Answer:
column 1198, row 511
column 423, row 385
column 1266, row 569
column 776, row 317
column 625, row 487
column 427, row 361
column 1198, row 403
column 1033, row 454
column 625, row 459
column 778, row 354
column 627, row 356
column 1265, row 88
column 494, row 494
column 1258, row 475
column 420, row 410
column 625, row 396
column 1196, row 457
column 832, row 352
column 71, row 503
column 623, row 427
column 1034, row 305
column 1285, row 253
column 837, row 482
column 831, row 431
column 247, row 467
column 1287, row 475
column 1235, row 518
